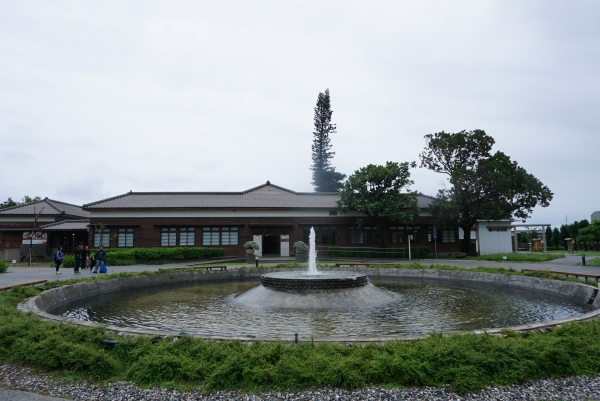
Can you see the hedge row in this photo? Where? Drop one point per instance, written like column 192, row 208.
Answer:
column 416, row 252
column 134, row 256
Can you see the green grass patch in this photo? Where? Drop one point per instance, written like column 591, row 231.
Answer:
column 592, row 262
column 466, row 362
column 519, row 257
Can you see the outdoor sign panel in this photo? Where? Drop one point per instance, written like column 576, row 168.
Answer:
column 35, row 238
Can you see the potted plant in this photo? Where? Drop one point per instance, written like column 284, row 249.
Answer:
column 301, row 248
column 250, row 247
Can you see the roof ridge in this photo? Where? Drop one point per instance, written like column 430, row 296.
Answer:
column 65, row 221
column 268, row 184
column 49, row 202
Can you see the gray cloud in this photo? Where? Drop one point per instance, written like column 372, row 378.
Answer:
column 218, row 96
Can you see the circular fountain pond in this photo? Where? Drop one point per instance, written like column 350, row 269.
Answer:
column 404, row 307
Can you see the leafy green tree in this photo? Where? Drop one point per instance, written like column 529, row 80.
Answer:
column 564, row 234
column 590, row 234
column 381, row 192
column 8, row 203
column 548, row 235
column 485, row 186
column 26, row 199
column 324, row 176
column 556, row 237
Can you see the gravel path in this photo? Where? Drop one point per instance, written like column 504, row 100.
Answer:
column 15, row 377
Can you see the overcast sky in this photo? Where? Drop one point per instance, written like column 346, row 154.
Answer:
column 99, row 98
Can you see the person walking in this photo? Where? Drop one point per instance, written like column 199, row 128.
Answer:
column 79, row 258
column 58, row 259
column 100, row 256
column 87, row 254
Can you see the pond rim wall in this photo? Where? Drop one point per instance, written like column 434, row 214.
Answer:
column 56, row 297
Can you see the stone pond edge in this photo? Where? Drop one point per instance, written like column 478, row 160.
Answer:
column 56, row 297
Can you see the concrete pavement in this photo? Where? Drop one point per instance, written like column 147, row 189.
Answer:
column 17, row 275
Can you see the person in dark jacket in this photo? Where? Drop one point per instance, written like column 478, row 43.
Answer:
column 86, row 258
column 58, row 258
column 100, row 256
column 79, row 258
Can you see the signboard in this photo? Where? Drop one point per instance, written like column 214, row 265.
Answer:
column 34, row 238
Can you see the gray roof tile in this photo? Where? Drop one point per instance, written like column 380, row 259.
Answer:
column 67, row 225
column 46, row 207
column 263, row 196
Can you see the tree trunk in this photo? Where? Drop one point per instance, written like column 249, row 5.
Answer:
column 467, row 240
column 379, row 233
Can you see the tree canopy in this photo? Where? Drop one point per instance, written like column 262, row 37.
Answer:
column 26, row 199
column 485, row 186
column 590, row 234
column 381, row 192
column 324, row 176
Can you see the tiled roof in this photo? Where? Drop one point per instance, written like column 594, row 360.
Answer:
column 45, row 207
column 263, row 196
column 67, row 225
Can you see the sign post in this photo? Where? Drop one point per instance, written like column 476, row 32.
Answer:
column 409, row 238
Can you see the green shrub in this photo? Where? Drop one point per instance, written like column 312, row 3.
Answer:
column 68, row 261
column 133, row 256
column 392, row 253
column 3, row 266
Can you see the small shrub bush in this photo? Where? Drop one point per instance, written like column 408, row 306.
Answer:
column 3, row 266
column 134, row 256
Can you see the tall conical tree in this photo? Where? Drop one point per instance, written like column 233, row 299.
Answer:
column 324, row 176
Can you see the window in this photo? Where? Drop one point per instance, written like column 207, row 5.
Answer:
column 210, row 236
column 397, row 234
column 323, row 235
column 355, row 235
column 219, row 235
column 168, row 236
column 370, row 235
column 125, row 237
column 187, row 236
column 229, row 235
column 102, row 237
column 415, row 231
column 448, row 235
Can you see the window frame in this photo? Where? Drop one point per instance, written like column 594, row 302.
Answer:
column 105, row 234
column 125, row 236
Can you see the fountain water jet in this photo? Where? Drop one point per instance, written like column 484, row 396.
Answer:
column 312, row 254
column 315, row 289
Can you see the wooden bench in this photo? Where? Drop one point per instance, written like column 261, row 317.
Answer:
column 8, row 287
column 197, row 267
column 577, row 275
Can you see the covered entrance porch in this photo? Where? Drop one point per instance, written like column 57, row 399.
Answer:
column 272, row 241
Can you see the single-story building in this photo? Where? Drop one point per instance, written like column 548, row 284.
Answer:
column 270, row 215
column 41, row 226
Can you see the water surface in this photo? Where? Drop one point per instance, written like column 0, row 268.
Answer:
column 423, row 306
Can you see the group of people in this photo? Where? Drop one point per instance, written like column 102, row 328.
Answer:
column 83, row 259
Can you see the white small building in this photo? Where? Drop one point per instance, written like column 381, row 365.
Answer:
column 596, row 215
column 493, row 237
